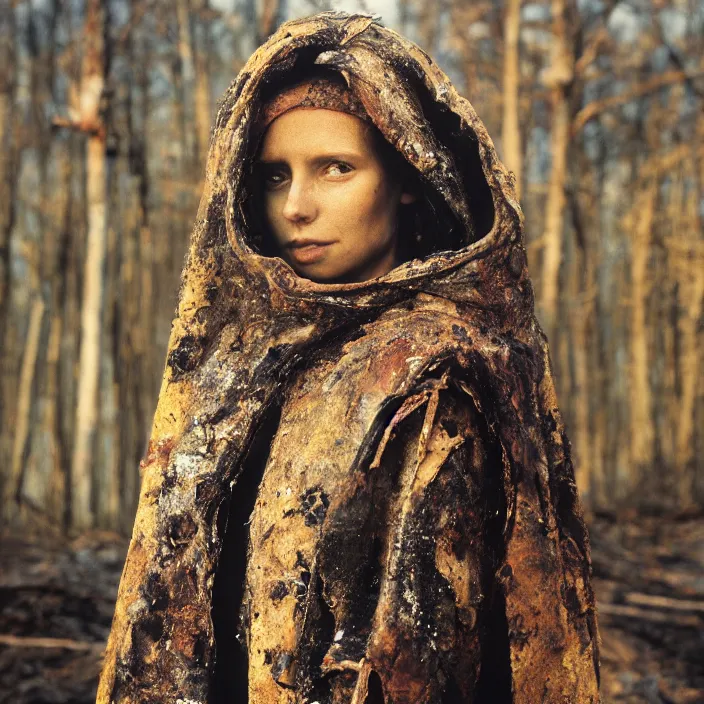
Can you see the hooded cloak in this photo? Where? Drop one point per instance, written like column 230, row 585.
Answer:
column 416, row 534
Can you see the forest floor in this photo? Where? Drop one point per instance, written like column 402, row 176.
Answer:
column 56, row 604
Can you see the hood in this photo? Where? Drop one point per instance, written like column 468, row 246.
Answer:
column 416, row 108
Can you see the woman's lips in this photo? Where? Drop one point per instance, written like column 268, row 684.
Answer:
column 308, row 253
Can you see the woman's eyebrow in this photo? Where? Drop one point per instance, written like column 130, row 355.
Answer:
column 322, row 156
column 340, row 155
column 270, row 162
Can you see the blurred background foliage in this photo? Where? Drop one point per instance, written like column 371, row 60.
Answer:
column 105, row 115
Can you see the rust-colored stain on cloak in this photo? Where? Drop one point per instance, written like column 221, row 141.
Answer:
column 416, row 535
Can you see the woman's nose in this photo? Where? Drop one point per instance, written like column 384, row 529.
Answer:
column 300, row 202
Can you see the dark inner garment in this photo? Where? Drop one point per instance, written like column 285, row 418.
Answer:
column 230, row 674
column 229, row 683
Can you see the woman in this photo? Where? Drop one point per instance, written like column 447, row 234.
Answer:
column 327, row 186
column 356, row 298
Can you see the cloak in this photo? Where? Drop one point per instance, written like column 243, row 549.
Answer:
column 415, row 532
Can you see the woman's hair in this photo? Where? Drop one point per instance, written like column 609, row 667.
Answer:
column 425, row 226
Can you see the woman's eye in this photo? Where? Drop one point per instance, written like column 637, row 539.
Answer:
column 338, row 168
column 273, row 179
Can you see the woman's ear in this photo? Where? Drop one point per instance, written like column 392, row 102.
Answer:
column 408, row 197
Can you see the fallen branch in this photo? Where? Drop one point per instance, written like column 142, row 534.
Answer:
column 664, row 602
column 63, row 643
column 648, row 615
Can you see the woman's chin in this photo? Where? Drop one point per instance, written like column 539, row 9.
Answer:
column 319, row 272
column 327, row 272
column 323, row 278
column 322, row 275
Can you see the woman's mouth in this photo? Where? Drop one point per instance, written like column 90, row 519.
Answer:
column 308, row 252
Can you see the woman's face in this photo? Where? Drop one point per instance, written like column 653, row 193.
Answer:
column 329, row 202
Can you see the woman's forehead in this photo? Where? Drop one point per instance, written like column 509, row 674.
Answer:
column 305, row 130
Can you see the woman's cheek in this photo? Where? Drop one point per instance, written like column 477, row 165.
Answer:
column 274, row 213
column 360, row 201
column 270, row 207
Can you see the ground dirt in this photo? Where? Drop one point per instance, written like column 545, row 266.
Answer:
column 56, row 601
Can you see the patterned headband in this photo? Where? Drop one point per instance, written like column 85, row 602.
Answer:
column 322, row 93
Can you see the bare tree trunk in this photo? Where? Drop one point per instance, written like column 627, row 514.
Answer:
column 671, row 285
column 641, row 420
column 89, row 356
column 691, row 266
column 57, row 479
column 91, row 93
column 595, row 372
column 186, row 77
column 461, row 16
column 581, row 322
column 45, row 485
column 137, row 319
column 268, row 18
column 202, row 89
column 404, row 16
column 428, row 19
column 558, row 79
column 24, row 401
column 691, row 371
column 8, row 150
column 511, row 134
column 7, row 89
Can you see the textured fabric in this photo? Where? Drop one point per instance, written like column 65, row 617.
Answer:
column 416, row 535
column 320, row 93
column 405, row 560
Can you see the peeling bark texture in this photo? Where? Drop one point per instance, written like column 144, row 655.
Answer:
column 416, row 535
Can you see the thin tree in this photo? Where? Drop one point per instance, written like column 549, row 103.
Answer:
column 8, row 151
column 89, row 120
column 559, row 79
column 510, row 133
